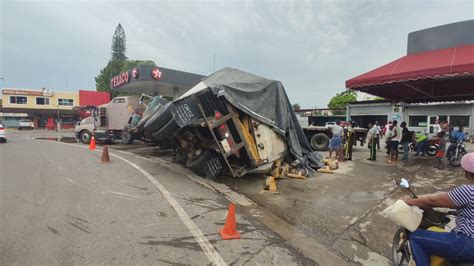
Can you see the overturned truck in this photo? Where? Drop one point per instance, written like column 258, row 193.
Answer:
column 233, row 122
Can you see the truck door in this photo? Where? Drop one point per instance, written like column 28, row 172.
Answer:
column 117, row 113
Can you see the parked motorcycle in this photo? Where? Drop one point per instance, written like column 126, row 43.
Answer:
column 456, row 153
column 434, row 220
column 431, row 147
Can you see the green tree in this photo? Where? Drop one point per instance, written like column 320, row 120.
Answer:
column 341, row 99
column 119, row 44
column 296, row 107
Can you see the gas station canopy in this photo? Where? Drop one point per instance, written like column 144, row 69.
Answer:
column 432, row 76
column 155, row 81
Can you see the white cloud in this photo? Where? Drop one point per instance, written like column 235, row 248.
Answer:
column 311, row 46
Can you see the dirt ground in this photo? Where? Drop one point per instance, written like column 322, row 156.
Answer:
column 342, row 210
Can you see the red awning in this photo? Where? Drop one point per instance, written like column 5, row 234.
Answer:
column 440, row 75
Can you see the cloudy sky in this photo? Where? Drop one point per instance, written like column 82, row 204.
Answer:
column 311, row 46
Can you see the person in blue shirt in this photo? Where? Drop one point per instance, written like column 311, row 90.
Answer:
column 459, row 135
column 456, row 137
column 457, row 245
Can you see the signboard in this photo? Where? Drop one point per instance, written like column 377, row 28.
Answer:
column 119, row 80
column 397, row 117
column 13, row 115
column 26, row 92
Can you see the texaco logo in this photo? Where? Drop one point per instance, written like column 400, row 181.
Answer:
column 156, row 73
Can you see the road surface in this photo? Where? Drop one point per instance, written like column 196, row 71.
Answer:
column 60, row 205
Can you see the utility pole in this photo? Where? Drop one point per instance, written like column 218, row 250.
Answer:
column 214, row 65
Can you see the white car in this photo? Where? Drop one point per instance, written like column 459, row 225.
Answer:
column 3, row 137
column 25, row 123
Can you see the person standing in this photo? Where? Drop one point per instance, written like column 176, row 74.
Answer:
column 388, row 133
column 379, row 134
column 440, row 152
column 394, row 141
column 350, row 137
column 406, row 138
column 372, row 135
column 335, row 144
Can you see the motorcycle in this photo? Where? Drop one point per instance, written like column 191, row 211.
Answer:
column 456, row 151
column 431, row 147
column 434, row 220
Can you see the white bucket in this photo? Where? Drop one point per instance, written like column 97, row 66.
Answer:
column 404, row 215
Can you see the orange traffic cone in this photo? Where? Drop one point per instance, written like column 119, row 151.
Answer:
column 230, row 228
column 92, row 143
column 105, row 155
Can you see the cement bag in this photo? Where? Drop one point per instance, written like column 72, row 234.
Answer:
column 404, row 215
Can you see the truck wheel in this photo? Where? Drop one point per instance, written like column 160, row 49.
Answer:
column 167, row 131
column 127, row 137
column 198, row 163
column 319, row 142
column 86, row 136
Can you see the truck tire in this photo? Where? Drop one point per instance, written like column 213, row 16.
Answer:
column 85, row 136
column 198, row 163
column 127, row 137
column 319, row 142
column 167, row 131
column 159, row 119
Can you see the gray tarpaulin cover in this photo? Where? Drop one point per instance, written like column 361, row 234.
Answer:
column 266, row 101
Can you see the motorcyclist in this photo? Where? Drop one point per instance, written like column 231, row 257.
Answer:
column 457, row 245
column 457, row 136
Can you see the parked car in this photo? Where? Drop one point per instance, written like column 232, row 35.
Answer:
column 3, row 137
column 26, row 124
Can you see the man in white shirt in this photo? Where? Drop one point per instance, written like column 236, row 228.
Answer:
column 394, row 141
column 336, row 139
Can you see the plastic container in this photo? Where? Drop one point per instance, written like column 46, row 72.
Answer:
column 404, row 215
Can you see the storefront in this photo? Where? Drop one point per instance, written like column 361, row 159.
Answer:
column 40, row 106
column 433, row 81
column 419, row 116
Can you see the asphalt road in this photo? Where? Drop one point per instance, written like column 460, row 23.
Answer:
column 60, row 205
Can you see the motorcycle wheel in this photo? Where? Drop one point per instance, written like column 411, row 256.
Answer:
column 456, row 160
column 400, row 248
column 431, row 150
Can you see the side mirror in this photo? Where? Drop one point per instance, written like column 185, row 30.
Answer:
column 402, row 182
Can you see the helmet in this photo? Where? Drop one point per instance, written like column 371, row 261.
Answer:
column 467, row 162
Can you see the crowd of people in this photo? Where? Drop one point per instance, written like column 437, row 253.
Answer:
column 394, row 134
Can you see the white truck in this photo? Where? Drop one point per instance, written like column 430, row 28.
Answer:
column 108, row 121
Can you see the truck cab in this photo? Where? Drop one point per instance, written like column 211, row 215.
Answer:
column 108, row 120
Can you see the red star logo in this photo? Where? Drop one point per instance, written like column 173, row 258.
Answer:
column 156, row 73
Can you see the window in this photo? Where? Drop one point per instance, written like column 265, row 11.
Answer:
column 418, row 121
column 18, row 99
column 65, row 102
column 119, row 100
column 42, row 101
column 459, row 120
